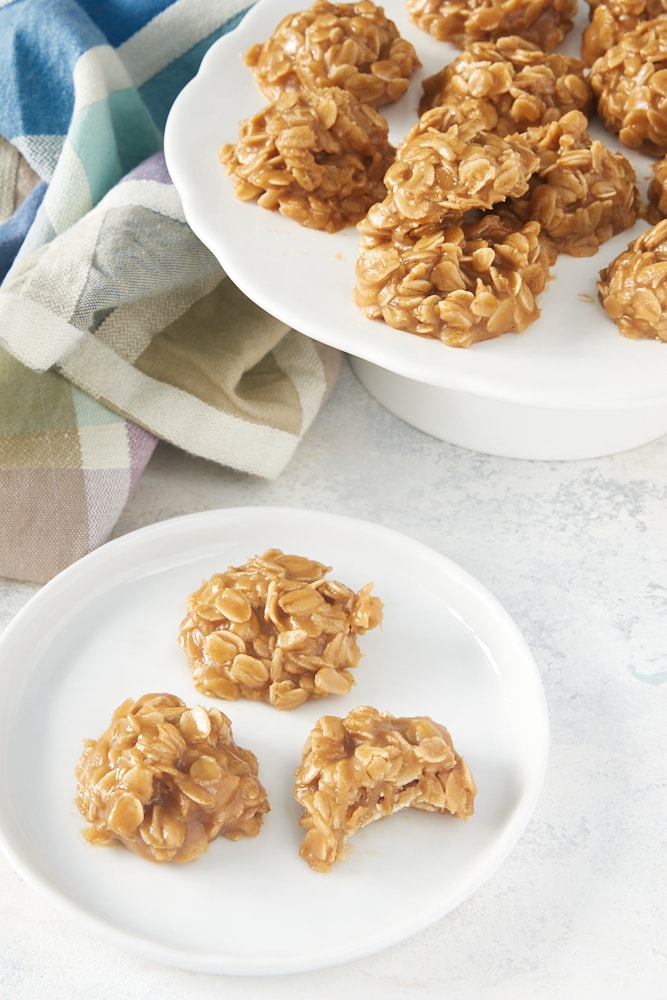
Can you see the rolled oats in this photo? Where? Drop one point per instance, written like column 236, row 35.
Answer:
column 633, row 287
column 460, row 283
column 610, row 20
column 543, row 22
column 368, row 765
column 318, row 157
column 354, row 46
column 582, row 194
column 443, row 167
column 510, row 84
column 297, row 642
column 165, row 780
column 630, row 84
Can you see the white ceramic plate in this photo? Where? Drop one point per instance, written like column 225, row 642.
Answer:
column 572, row 358
column 105, row 630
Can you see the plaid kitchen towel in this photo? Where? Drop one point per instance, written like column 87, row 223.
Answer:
column 117, row 327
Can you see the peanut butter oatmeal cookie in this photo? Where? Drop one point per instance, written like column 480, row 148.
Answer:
column 543, row 22
column 318, row 157
column 633, row 287
column 369, row 765
column 459, row 283
column 277, row 630
column 165, row 780
column 510, row 84
column 611, row 19
column 630, row 84
column 354, row 46
column 582, row 194
column 443, row 167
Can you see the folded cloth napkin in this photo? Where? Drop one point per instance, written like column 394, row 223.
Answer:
column 117, row 326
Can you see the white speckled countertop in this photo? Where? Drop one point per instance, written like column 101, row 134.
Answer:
column 577, row 554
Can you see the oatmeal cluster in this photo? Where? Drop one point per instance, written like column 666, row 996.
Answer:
column 630, row 84
column 443, row 167
column 543, row 22
column 633, row 287
column 510, row 84
column 277, row 630
column 461, row 283
column 353, row 46
column 610, row 20
column 368, row 765
column 582, row 194
column 318, row 157
column 165, row 780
